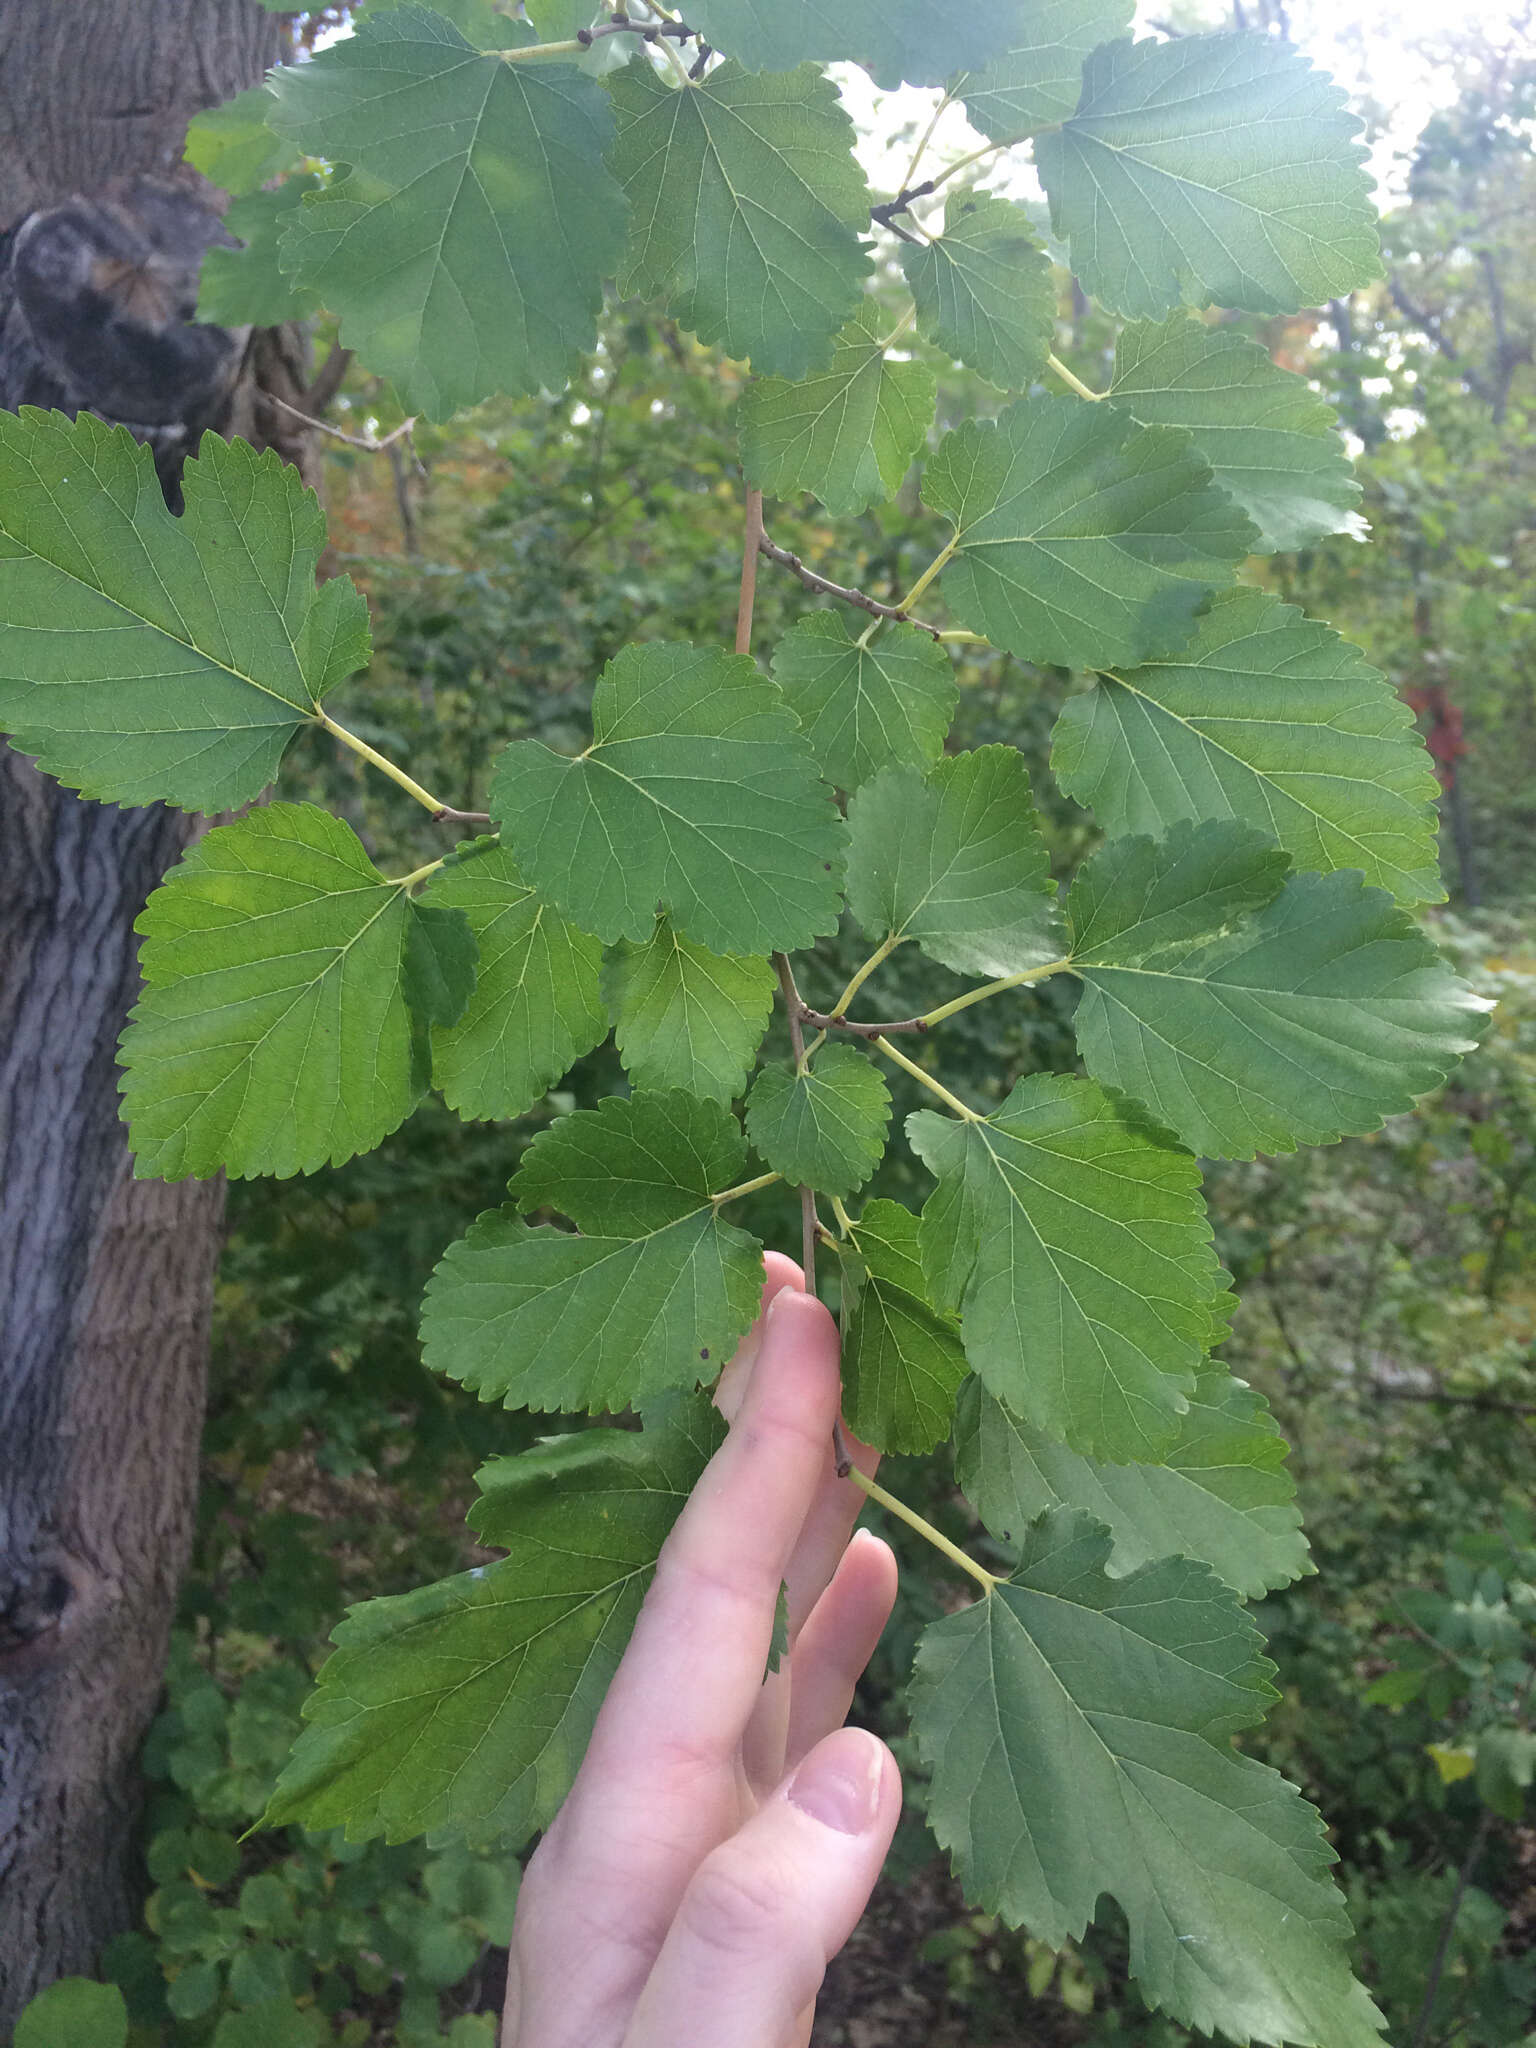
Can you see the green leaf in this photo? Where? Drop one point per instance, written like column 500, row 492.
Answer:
column 848, row 433
column 466, row 252
column 916, row 41
column 823, row 1129
column 246, row 286
column 866, row 708
column 536, row 1005
column 685, row 1017
column 1071, row 1234
column 698, row 796
column 1035, row 83
column 984, row 291
column 1221, row 1494
column 1269, row 718
column 746, row 205
column 273, row 1035
column 655, row 1297
column 441, row 953
column 464, row 1708
column 1080, row 537
column 1316, row 1017
column 1135, row 900
column 233, row 146
column 74, row 2013
column 1273, row 443
column 903, row 1362
column 1210, row 170
column 956, row 864
column 1076, row 1726
column 148, row 657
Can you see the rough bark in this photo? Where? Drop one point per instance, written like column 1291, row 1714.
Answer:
column 105, row 1282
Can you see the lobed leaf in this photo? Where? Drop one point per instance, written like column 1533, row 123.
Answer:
column 1271, row 719
column 1080, row 537
column 865, row 708
column 984, row 291
column 825, row 1128
column 1271, row 441
column 903, row 1362
column 655, row 1298
column 1071, row 1235
column 698, row 795
column 144, row 657
column 746, row 205
column 1221, row 1492
column 848, row 433
column 246, row 286
column 1317, row 1016
column 956, row 863
column 1036, row 82
column 466, row 251
column 464, row 1708
column 1077, row 1729
column 537, row 1005
column 685, row 1017
column 1210, row 170
column 274, row 1033
column 919, row 41
column 234, row 146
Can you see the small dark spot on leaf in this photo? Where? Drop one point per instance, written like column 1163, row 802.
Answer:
column 704, row 1354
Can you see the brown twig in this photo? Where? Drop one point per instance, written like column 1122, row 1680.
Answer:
column 857, row 1027
column 450, row 815
column 827, row 588
column 886, row 212
column 367, row 442
column 752, row 540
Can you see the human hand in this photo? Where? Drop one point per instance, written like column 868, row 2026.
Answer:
column 723, row 1834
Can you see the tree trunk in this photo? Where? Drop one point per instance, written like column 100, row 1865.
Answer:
column 105, row 1282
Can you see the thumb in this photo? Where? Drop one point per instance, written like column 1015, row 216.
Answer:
column 766, row 1911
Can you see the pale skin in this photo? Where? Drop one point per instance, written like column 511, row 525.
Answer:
column 724, row 1834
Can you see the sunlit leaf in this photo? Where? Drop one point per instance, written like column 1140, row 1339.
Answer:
column 1220, row 1493
column 955, row 863
column 273, row 1034
column 247, row 286
column 984, row 291
column 1273, row 443
column 1269, row 718
column 654, row 1294
column 865, row 708
column 746, row 204
column 903, row 1362
column 920, row 41
column 234, row 146
column 1210, row 170
column 698, row 795
column 1071, row 1235
column 466, row 251
column 146, row 657
column 463, row 1709
column 1081, row 537
column 685, row 1017
column 823, row 1129
column 1316, row 1016
column 847, row 433
column 537, row 1004
column 1036, row 82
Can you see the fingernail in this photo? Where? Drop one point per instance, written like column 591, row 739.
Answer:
column 783, row 1294
column 839, row 1783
